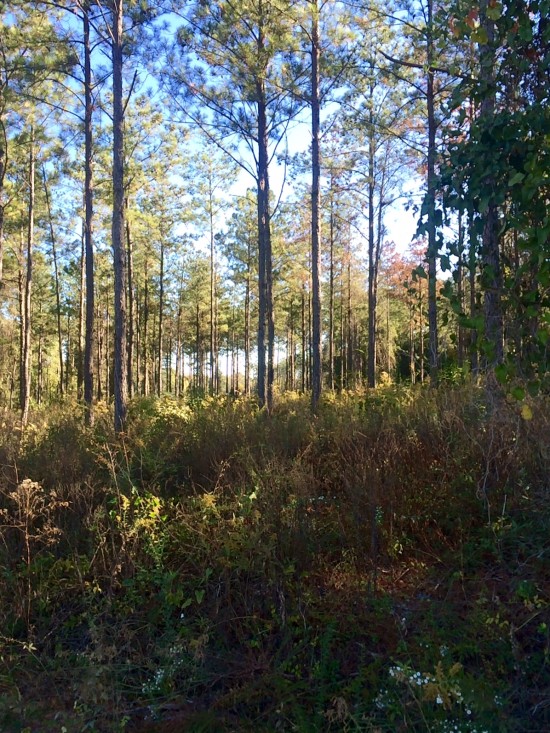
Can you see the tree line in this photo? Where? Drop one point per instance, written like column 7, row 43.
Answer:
column 132, row 263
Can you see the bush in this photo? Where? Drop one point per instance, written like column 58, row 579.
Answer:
column 250, row 570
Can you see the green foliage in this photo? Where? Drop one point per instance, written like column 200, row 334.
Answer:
column 380, row 565
column 502, row 159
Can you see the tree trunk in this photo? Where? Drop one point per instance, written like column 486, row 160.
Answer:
column 432, row 240
column 161, row 321
column 3, row 167
column 265, row 274
column 349, row 340
column 472, row 277
column 145, row 329
column 247, row 326
column 412, row 355
column 266, row 322
column 198, row 364
column 316, row 371
column 21, row 304
column 422, row 354
column 69, row 357
column 331, row 300
column 99, row 355
column 179, row 370
column 491, row 268
column 89, row 346
column 309, row 330
column 342, row 370
column 213, row 386
column 371, row 349
column 120, row 382
column 56, row 282
column 40, row 365
column 304, row 363
column 26, row 351
column 81, row 318
column 131, row 304
column 460, row 288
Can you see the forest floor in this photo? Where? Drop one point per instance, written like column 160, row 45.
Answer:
column 382, row 567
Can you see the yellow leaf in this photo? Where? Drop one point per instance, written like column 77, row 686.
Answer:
column 526, row 412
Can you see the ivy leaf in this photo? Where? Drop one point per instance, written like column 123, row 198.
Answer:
column 480, row 36
column 494, row 11
column 516, row 178
column 533, row 388
column 518, row 393
column 501, row 373
column 474, row 323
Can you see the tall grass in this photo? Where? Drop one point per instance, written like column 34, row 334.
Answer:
column 214, row 566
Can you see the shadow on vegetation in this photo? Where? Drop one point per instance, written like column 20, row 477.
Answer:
column 382, row 566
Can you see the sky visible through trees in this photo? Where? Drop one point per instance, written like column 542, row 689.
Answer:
column 274, row 365
column 157, row 197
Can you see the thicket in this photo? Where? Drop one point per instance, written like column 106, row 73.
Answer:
column 382, row 566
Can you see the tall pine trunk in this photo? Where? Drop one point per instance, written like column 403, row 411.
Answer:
column 161, row 321
column 56, row 282
column 131, row 304
column 247, row 320
column 3, row 167
column 26, row 319
column 81, row 318
column 120, row 385
column 432, row 240
column 145, row 330
column 316, row 371
column 491, row 275
column 371, row 348
column 331, row 298
column 89, row 346
column 213, row 345
column 265, row 300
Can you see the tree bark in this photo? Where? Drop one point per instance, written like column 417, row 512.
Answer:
column 56, row 281
column 304, row 362
column 3, row 167
column 432, row 240
column 26, row 351
column 81, row 318
column 213, row 360
column 90, row 345
column 491, row 268
column 349, row 319
column 371, row 349
column 247, row 323
column 265, row 304
column 145, row 330
column 265, row 265
column 119, row 254
column 331, row 299
column 131, row 304
column 161, row 321
column 460, row 287
column 472, row 278
column 316, row 371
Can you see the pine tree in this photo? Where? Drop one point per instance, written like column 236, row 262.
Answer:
column 240, row 97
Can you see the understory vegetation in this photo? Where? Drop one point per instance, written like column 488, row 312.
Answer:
column 382, row 566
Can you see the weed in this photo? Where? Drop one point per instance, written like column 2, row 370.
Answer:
column 380, row 567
